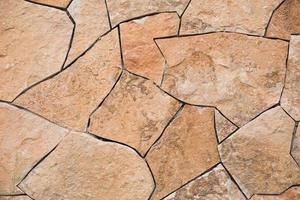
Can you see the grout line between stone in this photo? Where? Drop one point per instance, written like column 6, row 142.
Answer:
column 292, row 143
column 121, row 48
column 180, row 16
column 108, row 15
column 277, row 194
column 286, row 71
column 46, row 5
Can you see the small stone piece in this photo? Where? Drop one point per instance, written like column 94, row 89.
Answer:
column 296, row 146
column 140, row 53
column 291, row 194
column 82, row 167
column 56, row 3
column 34, row 43
column 70, row 97
column 24, row 140
column 258, row 154
column 21, row 197
column 224, row 127
column 135, row 113
column 241, row 16
column 187, row 148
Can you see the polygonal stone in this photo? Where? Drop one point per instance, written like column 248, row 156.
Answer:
column 56, row 3
column 224, row 127
column 291, row 194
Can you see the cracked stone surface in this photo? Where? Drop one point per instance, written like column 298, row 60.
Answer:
column 224, row 127
column 56, row 3
column 291, row 194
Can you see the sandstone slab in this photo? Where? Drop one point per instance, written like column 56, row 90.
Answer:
column 187, row 148
column 71, row 96
column 224, row 127
column 20, row 197
column 56, row 3
column 82, row 167
column 295, row 151
column 291, row 194
column 34, row 43
column 216, row 69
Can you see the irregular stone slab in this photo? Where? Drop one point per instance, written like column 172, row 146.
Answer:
column 82, row 167
column 140, row 52
column 258, row 154
column 123, row 10
column 290, row 99
column 135, row 113
column 56, row 3
column 34, row 43
column 291, row 194
column 241, row 16
column 24, row 140
column 70, row 97
column 91, row 21
column 224, row 127
column 187, row 148
column 21, row 197
column 213, row 185
column 216, row 69
column 285, row 20
column 296, row 146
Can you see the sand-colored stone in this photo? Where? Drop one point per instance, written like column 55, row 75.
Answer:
column 123, row 10
column 135, row 113
column 216, row 69
column 187, row 148
column 291, row 194
column 140, row 53
column 241, row 16
column 24, row 139
column 34, row 43
column 285, row 20
column 213, row 185
column 91, row 21
column 290, row 99
column 82, row 167
column 258, row 154
column 224, row 127
column 295, row 151
column 20, row 197
column 56, row 3
column 71, row 96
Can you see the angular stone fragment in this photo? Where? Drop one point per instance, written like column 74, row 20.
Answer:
column 56, row 3
column 24, row 140
column 290, row 99
column 258, row 154
column 135, row 113
column 291, row 194
column 285, row 20
column 242, row 16
column 82, row 167
column 216, row 69
column 296, row 146
column 214, row 185
column 21, row 197
column 123, row 10
column 34, row 43
column 224, row 127
column 187, row 148
column 70, row 97
column 140, row 52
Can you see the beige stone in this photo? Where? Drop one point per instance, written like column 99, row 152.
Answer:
column 224, row 127
column 70, row 97
column 135, row 113
column 20, row 197
column 216, row 69
column 258, row 154
column 290, row 99
column 295, row 151
column 24, row 140
column 291, row 194
column 140, row 53
column 34, row 43
column 242, row 16
column 82, row 167
column 91, row 21
column 187, row 148
column 56, row 3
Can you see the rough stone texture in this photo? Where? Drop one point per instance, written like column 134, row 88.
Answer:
column 82, row 167
column 223, row 126
column 34, row 43
column 70, row 97
column 258, row 154
column 216, row 69
column 296, row 146
column 285, row 20
column 56, row 3
column 24, row 140
column 214, row 185
column 91, row 21
column 123, row 10
column 187, row 148
column 291, row 194
column 290, row 100
column 135, row 113
column 140, row 52
column 22, row 197
column 242, row 16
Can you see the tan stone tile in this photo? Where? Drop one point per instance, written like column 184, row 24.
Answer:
column 56, row 3
column 295, row 151
column 21, row 197
column 291, row 194
column 223, row 126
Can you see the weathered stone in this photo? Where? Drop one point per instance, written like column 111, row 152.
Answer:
column 135, row 113
column 224, row 127
column 82, row 167
column 216, row 69
column 187, row 148
column 285, row 20
column 123, row 10
column 242, row 16
column 290, row 100
column 140, row 52
column 296, row 146
column 70, row 97
column 24, row 140
column 21, row 197
column 34, row 43
column 258, row 154
column 214, row 185
column 91, row 21
column 56, row 3
column 291, row 194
